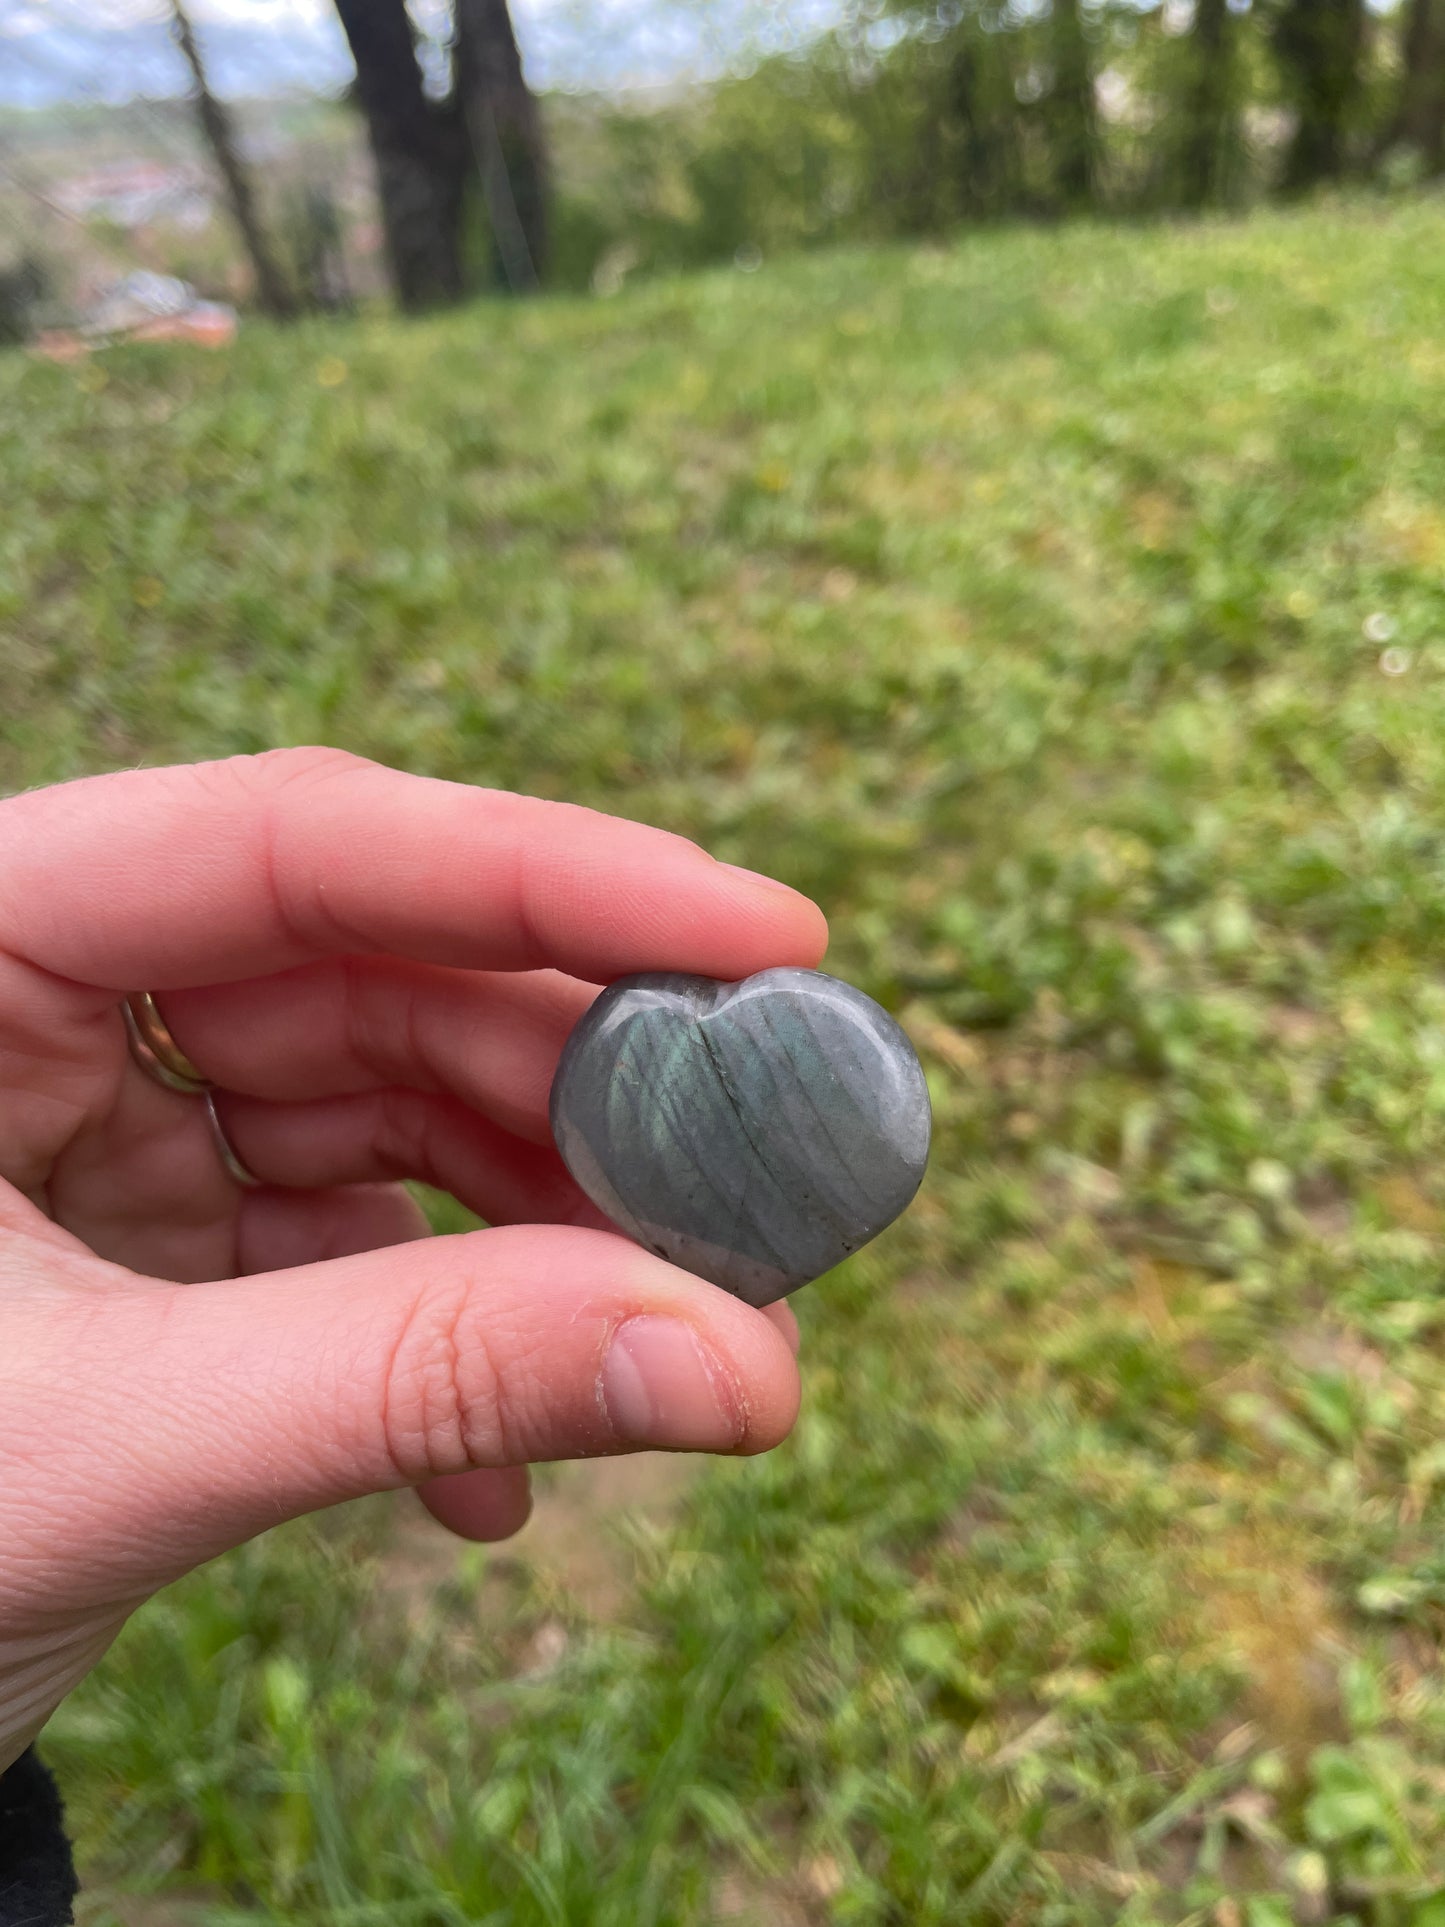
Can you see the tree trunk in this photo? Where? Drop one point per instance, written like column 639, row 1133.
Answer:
column 983, row 139
column 1419, row 121
column 1319, row 44
column 272, row 289
column 419, row 150
column 1073, row 119
column 505, row 130
column 1209, row 107
column 325, row 278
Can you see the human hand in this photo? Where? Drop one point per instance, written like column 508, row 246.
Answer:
column 378, row 972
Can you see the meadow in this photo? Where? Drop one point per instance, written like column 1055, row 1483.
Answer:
column 1066, row 611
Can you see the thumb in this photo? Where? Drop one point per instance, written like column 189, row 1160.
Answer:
column 236, row 1405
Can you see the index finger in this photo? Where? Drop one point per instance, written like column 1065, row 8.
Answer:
column 213, row 871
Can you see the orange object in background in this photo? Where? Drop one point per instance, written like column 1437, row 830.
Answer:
column 59, row 344
column 210, row 324
column 142, row 307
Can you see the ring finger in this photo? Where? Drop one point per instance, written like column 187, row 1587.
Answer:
column 367, row 1137
column 490, row 1039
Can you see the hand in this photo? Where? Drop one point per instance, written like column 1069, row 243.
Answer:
column 378, row 972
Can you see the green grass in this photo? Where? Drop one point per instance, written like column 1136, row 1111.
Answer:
column 1028, row 601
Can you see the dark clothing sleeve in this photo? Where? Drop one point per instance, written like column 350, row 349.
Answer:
column 37, row 1876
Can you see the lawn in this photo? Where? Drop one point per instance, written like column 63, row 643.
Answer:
column 1067, row 612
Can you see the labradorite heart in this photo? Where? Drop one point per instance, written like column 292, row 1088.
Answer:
column 753, row 1133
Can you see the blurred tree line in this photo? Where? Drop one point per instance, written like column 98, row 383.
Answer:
column 906, row 117
column 903, row 118
column 911, row 119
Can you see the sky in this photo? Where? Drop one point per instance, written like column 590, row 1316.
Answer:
column 115, row 49
column 54, row 50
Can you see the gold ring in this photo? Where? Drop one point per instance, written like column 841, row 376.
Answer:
column 155, row 1050
column 162, row 1059
column 241, row 1173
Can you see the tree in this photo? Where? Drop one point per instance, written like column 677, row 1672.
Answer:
column 1319, row 45
column 1209, row 106
column 507, row 139
column 419, row 148
column 428, row 152
column 977, row 119
column 320, row 251
column 24, row 287
column 1419, row 122
column 272, row 288
column 1073, row 118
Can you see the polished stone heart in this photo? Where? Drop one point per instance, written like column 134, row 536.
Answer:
column 754, row 1133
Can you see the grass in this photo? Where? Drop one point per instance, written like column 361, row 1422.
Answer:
column 1067, row 611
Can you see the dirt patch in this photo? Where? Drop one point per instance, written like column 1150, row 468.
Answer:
column 576, row 1543
column 745, row 1898
column 148, row 1910
column 577, row 1533
column 1407, row 1202
column 1275, row 1615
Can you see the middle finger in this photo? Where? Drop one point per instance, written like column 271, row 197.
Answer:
column 491, row 1039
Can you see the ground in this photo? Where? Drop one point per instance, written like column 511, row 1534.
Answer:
column 1067, row 612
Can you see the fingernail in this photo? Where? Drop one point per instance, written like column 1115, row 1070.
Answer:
column 661, row 1388
column 756, row 876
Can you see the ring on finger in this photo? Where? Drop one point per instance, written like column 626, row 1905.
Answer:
column 236, row 1169
column 154, row 1049
column 162, row 1059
